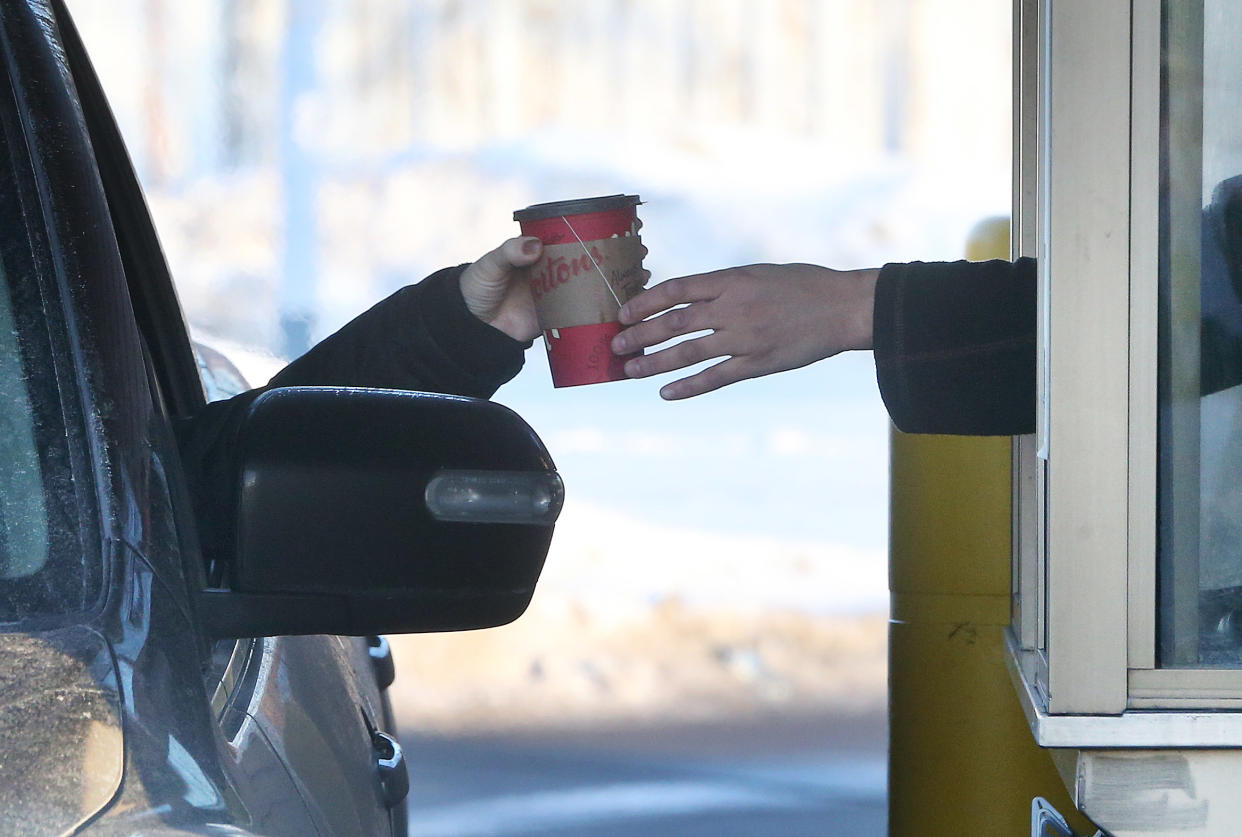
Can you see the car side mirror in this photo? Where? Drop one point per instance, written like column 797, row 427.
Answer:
column 366, row 511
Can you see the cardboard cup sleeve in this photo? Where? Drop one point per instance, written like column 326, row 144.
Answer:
column 579, row 288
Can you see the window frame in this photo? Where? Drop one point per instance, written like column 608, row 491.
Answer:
column 177, row 386
column 1073, row 478
column 157, row 310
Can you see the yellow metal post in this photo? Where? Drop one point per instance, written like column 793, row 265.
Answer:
column 961, row 757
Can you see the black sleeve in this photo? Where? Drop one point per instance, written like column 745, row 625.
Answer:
column 955, row 346
column 421, row 338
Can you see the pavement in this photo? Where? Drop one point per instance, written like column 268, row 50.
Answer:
column 615, row 710
column 789, row 775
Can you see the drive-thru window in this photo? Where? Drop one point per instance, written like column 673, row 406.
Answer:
column 1126, row 635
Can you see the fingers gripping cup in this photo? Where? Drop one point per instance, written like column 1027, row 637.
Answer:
column 592, row 264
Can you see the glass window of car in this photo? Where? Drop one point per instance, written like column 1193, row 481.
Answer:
column 23, row 513
column 48, row 567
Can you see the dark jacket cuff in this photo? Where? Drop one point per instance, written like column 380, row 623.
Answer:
column 485, row 353
column 955, row 346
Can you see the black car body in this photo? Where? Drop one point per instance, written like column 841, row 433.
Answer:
column 128, row 702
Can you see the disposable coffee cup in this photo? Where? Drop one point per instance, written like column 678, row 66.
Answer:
column 592, row 263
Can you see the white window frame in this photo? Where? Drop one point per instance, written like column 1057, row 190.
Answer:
column 1082, row 644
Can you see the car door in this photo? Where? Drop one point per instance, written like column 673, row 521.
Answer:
column 116, row 624
column 112, row 616
column 313, row 700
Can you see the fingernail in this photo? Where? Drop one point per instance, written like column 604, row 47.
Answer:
column 531, row 246
column 619, row 345
column 668, row 393
column 633, row 368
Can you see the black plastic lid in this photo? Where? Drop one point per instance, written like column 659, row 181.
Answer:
column 580, row 206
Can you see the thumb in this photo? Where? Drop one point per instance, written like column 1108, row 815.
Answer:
column 516, row 252
column 523, row 250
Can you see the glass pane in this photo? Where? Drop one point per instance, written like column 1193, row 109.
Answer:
column 1200, row 457
column 23, row 514
column 43, row 568
column 46, row 494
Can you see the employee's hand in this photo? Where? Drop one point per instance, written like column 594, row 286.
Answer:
column 497, row 291
column 762, row 319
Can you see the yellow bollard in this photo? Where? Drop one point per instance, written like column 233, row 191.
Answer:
column 961, row 757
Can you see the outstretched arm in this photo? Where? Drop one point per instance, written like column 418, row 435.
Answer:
column 760, row 318
column 954, row 342
column 461, row 331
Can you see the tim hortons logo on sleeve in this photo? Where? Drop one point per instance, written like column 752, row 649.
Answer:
column 568, row 289
column 556, row 269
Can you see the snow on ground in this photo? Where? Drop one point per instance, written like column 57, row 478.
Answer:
column 574, row 663
column 607, row 557
column 637, row 623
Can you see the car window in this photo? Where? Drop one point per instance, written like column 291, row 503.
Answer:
column 44, row 568
column 49, row 566
column 221, row 378
column 23, row 513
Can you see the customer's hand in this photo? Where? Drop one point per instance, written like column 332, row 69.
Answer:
column 761, row 318
column 497, row 291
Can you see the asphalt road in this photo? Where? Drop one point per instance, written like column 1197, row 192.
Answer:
column 793, row 777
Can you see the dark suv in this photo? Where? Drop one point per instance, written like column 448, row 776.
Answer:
column 143, row 691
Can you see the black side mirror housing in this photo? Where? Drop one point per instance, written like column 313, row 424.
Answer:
column 377, row 511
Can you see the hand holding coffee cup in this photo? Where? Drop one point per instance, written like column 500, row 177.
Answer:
column 590, row 266
column 495, row 288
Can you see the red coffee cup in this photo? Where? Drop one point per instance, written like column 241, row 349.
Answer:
column 592, row 263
